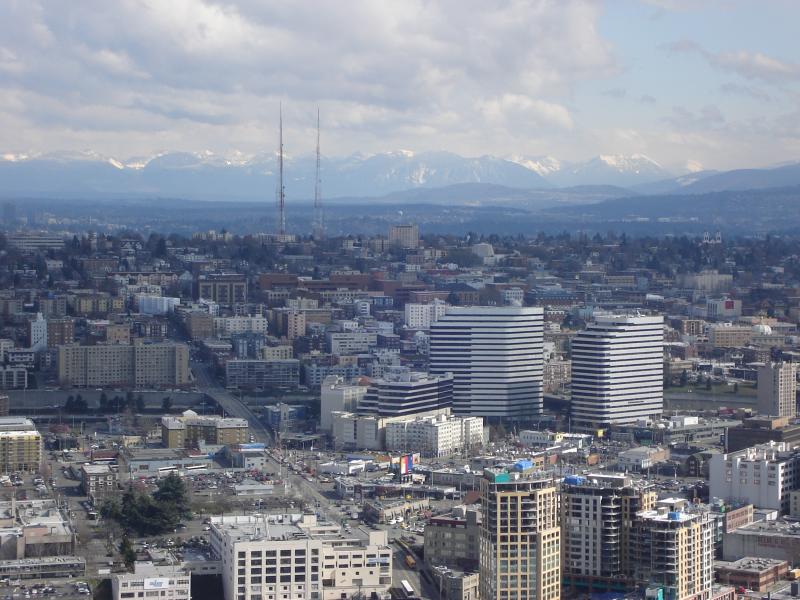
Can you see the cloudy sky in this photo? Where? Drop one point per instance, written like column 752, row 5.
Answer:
column 705, row 83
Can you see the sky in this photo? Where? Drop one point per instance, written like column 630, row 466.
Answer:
column 693, row 84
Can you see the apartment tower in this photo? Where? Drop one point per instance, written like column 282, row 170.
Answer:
column 777, row 389
column 520, row 537
column 674, row 551
column 597, row 517
column 495, row 356
column 618, row 371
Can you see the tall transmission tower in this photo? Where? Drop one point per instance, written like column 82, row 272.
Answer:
column 319, row 223
column 281, row 188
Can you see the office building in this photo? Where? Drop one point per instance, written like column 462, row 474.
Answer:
column 187, row 430
column 290, row 322
column 725, row 335
column 453, row 540
column 224, row 327
column 597, row 516
column 618, row 371
column 421, row 316
column 763, row 475
column 341, row 343
column 456, row 585
column 673, row 552
column 402, row 392
column 222, row 288
column 762, row 430
column 156, row 305
column 277, row 352
column 200, row 325
column 60, row 332
column 143, row 366
column 723, row 308
column 709, row 280
column 405, row 236
column 435, row 435
column 170, row 582
column 520, row 537
column 32, row 242
column 277, row 557
column 495, row 357
column 20, row 445
column 37, row 333
column 255, row 373
column 336, row 395
column 295, row 324
column 777, row 389
column 13, row 378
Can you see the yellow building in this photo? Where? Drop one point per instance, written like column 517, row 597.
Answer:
column 673, row 551
column 190, row 428
column 20, row 445
column 124, row 365
column 520, row 537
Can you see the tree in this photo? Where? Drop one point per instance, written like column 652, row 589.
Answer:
column 151, row 515
column 166, row 404
column 127, row 552
column 80, row 404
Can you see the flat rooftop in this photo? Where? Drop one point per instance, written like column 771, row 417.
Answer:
column 753, row 564
column 101, row 469
column 260, row 530
column 16, row 424
column 770, row 528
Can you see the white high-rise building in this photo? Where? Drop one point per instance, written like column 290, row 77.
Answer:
column 762, row 475
column 338, row 395
column 496, row 358
column 37, row 333
column 618, row 371
column 421, row 316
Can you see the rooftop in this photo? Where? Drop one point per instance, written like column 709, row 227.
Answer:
column 16, row 424
column 750, row 563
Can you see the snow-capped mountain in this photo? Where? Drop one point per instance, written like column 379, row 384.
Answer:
column 207, row 175
column 610, row 169
column 543, row 165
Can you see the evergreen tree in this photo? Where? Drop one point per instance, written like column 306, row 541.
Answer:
column 127, row 552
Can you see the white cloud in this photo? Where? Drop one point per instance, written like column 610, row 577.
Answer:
column 750, row 65
column 386, row 74
column 517, row 111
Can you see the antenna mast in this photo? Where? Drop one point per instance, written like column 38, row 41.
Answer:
column 281, row 189
column 319, row 226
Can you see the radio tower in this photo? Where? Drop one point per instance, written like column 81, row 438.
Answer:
column 281, row 189
column 319, row 224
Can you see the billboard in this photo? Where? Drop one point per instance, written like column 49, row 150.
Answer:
column 156, row 583
column 406, row 464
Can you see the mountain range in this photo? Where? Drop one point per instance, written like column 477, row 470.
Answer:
column 429, row 176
